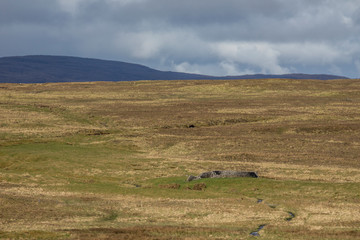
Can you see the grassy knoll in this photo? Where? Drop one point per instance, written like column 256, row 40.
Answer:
column 109, row 160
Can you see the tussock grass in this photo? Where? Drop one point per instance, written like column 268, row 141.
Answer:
column 100, row 160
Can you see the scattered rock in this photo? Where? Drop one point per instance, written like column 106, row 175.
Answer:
column 256, row 233
column 292, row 215
column 223, row 174
column 190, row 178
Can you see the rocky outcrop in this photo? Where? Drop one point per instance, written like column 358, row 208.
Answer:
column 223, row 174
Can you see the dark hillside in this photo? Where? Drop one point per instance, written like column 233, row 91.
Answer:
column 289, row 76
column 40, row 69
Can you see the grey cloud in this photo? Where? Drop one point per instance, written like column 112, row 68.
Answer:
column 204, row 36
column 305, row 24
column 271, row 20
column 31, row 12
column 356, row 17
column 187, row 12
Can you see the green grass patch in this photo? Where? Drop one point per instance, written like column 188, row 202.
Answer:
column 284, row 192
column 111, row 216
column 57, row 161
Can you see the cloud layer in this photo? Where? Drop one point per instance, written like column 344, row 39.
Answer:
column 227, row 37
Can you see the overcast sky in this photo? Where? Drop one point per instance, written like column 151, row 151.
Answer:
column 215, row 37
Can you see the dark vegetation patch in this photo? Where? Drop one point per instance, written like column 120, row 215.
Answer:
column 34, row 235
column 307, row 233
column 239, row 157
column 94, row 132
column 199, row 187
column 21, row 208
column 218, row 122
column 110, row 216
column 152, row 233
column 325, row 129
column 170, row 186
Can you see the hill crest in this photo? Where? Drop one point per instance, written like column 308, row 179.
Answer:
column 46, row 68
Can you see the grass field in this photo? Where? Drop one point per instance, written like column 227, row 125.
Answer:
column 109, row 160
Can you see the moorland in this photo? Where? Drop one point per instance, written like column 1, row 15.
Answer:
column 109, row 160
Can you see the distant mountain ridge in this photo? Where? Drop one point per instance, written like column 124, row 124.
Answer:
column 45, row 68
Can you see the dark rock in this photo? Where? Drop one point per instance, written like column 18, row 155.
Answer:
column 256, row 233
column 190, row 178
column 292, row 215
column 206, row 175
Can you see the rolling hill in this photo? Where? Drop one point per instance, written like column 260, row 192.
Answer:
column 44, row 68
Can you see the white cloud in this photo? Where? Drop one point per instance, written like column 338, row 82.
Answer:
column 146, row 44
column 186, row 67
column 258, row 54
column 70, row 6
column 231, row 69
column 357, row 65
column 309, row 52
column 215, row 69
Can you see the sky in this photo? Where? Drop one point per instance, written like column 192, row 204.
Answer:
column 213, row 37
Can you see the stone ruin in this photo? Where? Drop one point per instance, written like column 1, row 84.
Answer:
column 222, row 174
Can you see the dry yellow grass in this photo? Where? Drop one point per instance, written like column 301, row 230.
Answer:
column 85, row 160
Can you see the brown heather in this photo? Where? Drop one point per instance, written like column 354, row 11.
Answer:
column 109, row 160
